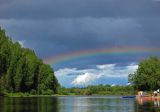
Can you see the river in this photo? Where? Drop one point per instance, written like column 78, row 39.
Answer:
column 77, row 104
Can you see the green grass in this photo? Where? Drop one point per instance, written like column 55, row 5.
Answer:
column 28, row 95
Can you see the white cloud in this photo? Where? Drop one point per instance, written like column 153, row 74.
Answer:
column 84, row 79
column 106, row 66
column 89, row 76
column 65, row 71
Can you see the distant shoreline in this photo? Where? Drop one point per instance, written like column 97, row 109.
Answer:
column 98, row 90
column 21, row 95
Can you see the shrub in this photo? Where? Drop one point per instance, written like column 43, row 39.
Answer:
column 33, row 92
column 48, row 92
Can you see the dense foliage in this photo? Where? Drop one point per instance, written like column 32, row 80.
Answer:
column 147, row 76
column 22, row 71
column 97, row 90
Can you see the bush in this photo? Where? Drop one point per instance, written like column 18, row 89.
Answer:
column 88, row 92
column 48, row 92
column 33, row 92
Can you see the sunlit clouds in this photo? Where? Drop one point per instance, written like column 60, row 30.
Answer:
column 83, row 77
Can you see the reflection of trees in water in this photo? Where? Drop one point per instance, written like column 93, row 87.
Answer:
column 48, row 104
column 149, row 107
column 20, row 104
column 1, row 104
column 28, row 104
column 77, row 104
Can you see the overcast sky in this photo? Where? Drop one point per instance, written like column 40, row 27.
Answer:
column 55, row 27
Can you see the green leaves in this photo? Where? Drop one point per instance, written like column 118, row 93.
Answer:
column 21, row 70
column 148, row 74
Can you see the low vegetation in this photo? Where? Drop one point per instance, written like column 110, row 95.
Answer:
column 97, row 90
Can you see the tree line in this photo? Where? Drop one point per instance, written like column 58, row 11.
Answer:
column 22, row 71
column 97, row 90
column 147, row 76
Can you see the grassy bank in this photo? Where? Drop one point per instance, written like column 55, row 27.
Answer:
column 28, row 95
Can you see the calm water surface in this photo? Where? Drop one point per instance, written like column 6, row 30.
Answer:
column 77, row 104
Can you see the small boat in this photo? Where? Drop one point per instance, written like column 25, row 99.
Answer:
column 129, row 96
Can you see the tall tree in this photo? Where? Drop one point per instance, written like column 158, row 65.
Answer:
column 147, row 75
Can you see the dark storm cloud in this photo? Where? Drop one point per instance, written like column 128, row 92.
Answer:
column 150, row 28
column 47, row 9
column 2, row 2
column 53, row 27
column 63, row 35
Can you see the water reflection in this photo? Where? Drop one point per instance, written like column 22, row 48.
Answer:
column 17, row 104
column 95, row 104
column 148, row 104
column 28, row 104
column 78, row 104
column 67, row 104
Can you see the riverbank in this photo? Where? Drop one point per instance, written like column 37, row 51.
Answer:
column 96, row 90
column 12, row 95
column 27, row 95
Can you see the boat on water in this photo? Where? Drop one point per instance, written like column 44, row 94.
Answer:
column 129, row 96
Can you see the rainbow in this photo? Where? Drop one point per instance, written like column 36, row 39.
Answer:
column 94, row 52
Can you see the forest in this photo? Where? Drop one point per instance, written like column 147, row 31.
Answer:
column 22, row 71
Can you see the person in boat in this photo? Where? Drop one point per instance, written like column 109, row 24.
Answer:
column 155, row 93
column 140, row 93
